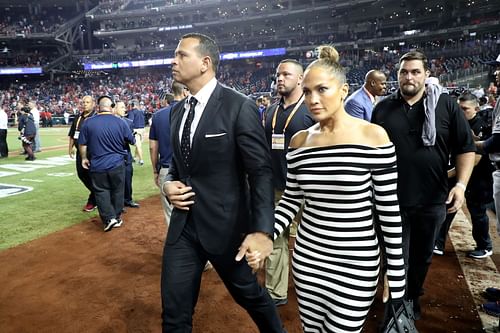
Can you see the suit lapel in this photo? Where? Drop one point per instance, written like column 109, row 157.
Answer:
column 207, row 119
column 176, row 119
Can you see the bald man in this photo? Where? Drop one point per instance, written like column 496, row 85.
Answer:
column 106, row 137
column 120, row 111
column 87, row 107
column 360, row 104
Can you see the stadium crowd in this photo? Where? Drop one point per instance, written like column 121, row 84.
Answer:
column 60, row 97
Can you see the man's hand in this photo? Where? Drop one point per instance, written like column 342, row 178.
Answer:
column 475, row 137
column 71, row 153
column 386, row 291
column 179, row 195
column 457, row 197
column 256, row 247
column 85, row 163
column 156, row 178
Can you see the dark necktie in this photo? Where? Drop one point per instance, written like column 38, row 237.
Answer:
column 186, row 133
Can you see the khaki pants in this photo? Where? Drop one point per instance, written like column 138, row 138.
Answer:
column 277, row 264
column 139, row 138
column 277, row 267
column 167, row 207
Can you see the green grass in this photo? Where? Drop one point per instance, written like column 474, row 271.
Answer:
column 56, row 202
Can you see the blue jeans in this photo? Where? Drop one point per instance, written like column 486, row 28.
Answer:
column 420, row 227
column 480, row 225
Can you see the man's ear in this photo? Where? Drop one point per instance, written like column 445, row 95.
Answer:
column 300, row 78
column 206, row 64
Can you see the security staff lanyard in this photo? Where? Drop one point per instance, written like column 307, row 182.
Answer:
column 278, row 140
column 77, row 128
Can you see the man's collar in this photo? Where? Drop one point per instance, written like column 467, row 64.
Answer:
column 203, row 95
column 372, row 98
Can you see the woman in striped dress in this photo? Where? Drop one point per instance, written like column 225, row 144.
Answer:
column 344, row 171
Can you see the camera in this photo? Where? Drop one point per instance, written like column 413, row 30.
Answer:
column 24, row 139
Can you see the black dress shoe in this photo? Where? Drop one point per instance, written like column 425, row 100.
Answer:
column 132, row 204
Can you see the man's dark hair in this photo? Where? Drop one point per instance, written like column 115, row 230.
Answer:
column 415, row 55
column 206, row 48
column 177, row 88
column 468, row 97
column 170, row 98
column 291, row 61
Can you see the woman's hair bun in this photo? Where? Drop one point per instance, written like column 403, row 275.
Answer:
column 328, row 53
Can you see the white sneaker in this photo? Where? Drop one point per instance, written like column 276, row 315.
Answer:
column 118, row 224
column 110, row 224
column 480, row 254
column 438, row 251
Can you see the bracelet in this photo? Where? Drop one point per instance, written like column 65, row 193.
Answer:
column 461, row 185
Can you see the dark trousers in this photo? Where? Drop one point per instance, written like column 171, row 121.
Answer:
column 4, row 148
column 443, row 231
column 28, row 147
column 420, row 227
column 108, row 189
column 129, row 172
column 480, row 226
column 183, row 264
column 84, row 176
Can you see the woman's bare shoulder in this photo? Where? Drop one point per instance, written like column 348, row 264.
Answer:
column 375, row 135
column 299, row 139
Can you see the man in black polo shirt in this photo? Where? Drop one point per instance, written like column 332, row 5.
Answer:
column 106, row 137
column 425, row 127
column 283, row 119
column 74, row 133
column 480, row 190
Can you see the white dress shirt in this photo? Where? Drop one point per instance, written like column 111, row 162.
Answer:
column 3, row 119
column 202, row 97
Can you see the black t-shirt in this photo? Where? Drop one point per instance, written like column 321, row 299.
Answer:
column 76, row 125
column 422, row 170
column 480, row 187
column 301, row 120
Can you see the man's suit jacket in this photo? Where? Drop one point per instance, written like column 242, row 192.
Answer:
column 230, row 173
column 359, row 105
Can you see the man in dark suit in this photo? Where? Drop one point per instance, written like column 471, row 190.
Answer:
column 220, row 185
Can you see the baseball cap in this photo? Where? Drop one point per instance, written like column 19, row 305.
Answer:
column 495, row 62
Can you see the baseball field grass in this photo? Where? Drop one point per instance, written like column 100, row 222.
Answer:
column 55, row 195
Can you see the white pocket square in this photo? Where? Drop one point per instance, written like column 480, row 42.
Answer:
column 214, row 135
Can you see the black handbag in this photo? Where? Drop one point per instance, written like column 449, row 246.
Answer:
column 401, row 319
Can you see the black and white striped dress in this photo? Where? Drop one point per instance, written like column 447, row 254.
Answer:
column 336, row 256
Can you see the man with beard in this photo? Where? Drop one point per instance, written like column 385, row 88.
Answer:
column 425, row 126
column 284, row 118
column 73, row 135
column 360, row 104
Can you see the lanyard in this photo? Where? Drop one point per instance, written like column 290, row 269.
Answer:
column 296, row 107
column 77, row 128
